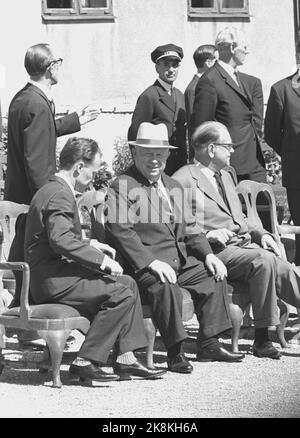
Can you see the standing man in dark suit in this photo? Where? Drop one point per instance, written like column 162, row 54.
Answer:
column 32, row 134
column 163, row 103
column 163, row 249
column 204, row 58
column 282, row 133
column 235, row 99
column 83, row 274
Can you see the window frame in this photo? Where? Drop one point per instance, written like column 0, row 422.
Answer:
column 218, row 12
column 77, row 12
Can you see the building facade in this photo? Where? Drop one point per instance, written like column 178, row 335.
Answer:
column 106, row 47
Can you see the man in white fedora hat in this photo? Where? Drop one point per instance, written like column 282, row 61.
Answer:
column 164, row 251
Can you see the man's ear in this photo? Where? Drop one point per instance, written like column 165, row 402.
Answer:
column 210, row 150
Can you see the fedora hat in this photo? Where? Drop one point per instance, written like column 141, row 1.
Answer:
column 152, row 136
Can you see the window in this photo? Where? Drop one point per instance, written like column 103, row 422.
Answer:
column 218, row 8
column 77, row 9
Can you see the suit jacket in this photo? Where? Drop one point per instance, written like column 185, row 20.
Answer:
column 282, row 127
column 219, row 98
column 59, row 260
column 32, row 133
column 210, row 209
column 137, row 230
column 189, row 96
column 155, row 106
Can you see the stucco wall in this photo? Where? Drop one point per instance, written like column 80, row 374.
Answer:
column 108, row 63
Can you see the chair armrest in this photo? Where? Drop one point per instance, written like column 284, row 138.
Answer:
column 288, row 229
column 24, row 267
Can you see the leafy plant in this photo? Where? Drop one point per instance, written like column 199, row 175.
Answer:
column 123, row 158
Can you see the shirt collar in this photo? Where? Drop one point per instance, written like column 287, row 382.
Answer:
column 165, row 85
column 43, row 88
column 228, row 68
column 66, row 179
column 206, row 170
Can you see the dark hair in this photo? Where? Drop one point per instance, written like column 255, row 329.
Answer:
column 203, row 53
column 77, row 149
column 37, row 59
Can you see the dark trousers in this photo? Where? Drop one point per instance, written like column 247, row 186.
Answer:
column 210, row 299
column 293, row 196
column 114, row 307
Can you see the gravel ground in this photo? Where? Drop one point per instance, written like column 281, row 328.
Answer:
column 254, row 388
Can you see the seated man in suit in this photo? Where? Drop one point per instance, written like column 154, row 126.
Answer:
column 163, row 103
column 164, row 251
column 84, row 275
column 250, row 254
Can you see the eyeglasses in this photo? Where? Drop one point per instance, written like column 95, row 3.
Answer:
column 55, row 61
column 228, row 146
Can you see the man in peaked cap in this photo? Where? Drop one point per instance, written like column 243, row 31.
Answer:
column 163, row 103
column 165, row 250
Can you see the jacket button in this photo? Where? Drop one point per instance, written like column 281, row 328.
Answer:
column 175, row 260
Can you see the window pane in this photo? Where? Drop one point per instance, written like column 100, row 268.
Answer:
column 94, row 3
column 233, row 4
column 57, row 4
column 202, row 3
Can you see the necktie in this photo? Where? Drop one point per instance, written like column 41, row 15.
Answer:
column 172, row 94
column 165, row 207
column 221, row 188
column 52, row 105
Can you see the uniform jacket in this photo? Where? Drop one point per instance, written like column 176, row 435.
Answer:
column 32, row 133
column 282, row 127
column 156, row 106
column 219, row 98
column 142, row 239
column 54, row 249
column 210, row 210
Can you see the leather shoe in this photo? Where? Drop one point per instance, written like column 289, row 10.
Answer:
column 92, row 372
column 179, row 364
column 218, row 353
column 137, row 369
column 266, row 349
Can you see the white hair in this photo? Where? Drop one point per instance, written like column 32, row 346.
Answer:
column 229, row 35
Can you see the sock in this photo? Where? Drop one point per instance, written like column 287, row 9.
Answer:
column 80, row 362
column 208, row 343
column 261, row 335
column 175, row 349
column 126, row 358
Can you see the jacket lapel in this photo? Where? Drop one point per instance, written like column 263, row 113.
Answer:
column 231, row 83
column 206, row 187
column 295, row 83
column 152, row 195
column 38, row 91
column 164, row 97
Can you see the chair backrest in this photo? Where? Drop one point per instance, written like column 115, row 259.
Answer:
column 9, row 211
column 248, row 191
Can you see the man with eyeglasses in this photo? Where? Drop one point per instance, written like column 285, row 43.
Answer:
column 163, row 103
column 235, row 99
column 32, row 134
column 249, row 254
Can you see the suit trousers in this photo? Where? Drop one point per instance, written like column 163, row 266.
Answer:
column 165, row 299
column 113, row 305
column 267, row 276
column 293, row 196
